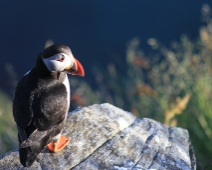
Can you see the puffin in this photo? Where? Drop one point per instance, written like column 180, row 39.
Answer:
column 41, row 102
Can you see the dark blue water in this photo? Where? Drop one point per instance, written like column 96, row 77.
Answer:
column 95, row 30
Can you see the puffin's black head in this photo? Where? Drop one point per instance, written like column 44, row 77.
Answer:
column 59, row 58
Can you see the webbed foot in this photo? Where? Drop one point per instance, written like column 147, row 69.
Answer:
column 59, row 145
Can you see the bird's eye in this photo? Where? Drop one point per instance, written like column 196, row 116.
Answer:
column 61, row 59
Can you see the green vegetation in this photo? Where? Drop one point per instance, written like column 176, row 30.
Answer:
column 8, row 133
column 172, row 85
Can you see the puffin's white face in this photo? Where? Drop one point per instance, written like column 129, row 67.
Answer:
column 59, row 62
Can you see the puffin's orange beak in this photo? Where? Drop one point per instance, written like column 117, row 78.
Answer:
column 76, row 69
column 79, row 69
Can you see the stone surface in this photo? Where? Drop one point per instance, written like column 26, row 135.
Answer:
column 106, row 137
column 146, row 144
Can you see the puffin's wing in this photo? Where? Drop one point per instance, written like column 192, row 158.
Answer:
column 21, row 104
column 50, row 107
column 34, row 137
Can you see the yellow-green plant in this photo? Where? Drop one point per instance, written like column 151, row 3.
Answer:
column 8, row 134
column 175, row 109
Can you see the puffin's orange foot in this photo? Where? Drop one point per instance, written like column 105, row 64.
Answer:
column 59, row 145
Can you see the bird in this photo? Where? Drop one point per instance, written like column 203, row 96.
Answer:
column 41, row 102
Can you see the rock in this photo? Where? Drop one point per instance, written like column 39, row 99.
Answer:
column 106, row 137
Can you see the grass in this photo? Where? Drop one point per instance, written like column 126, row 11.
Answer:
column 8, row 133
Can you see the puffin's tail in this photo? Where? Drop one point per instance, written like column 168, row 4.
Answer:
column 27, row 156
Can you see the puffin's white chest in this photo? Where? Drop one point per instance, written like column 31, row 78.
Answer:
column 67, row 85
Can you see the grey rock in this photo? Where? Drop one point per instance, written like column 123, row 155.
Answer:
column 106, row 137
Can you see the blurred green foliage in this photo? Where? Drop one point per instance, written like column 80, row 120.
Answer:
column 8, row 132
column 172, row 85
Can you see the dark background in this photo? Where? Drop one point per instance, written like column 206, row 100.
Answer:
column 95, row 30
